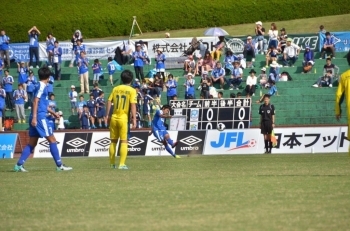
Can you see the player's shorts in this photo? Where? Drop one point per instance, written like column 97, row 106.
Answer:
column 96, row 77
column 42, row 129
column 92, row 112
column 73, row 105
column 101, row 113
column 119, row 128
column 160, row 69
column 159, row 134
column 266, row 127
column 51, row 123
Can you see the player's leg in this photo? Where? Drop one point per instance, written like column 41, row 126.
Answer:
column 114, row 136
column 111, row 79
column 124, row 129
column 169, row 144
column 27, row 150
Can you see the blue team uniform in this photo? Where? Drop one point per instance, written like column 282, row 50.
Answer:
column 77, row 50
column 146, row 107
column 2, row 100
column 1, row 63
column 81, row 105
column 83, row 67
column 91, row 105
column 96, row 67
column 84, row 119
column 158, row 129
column 22, row 75
column 101, row 111
column 95, row 92
column 50, row 85
column 42, row 128
column 51, row 118
column 111, row 68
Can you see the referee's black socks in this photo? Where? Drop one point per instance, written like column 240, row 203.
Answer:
column 267, row 145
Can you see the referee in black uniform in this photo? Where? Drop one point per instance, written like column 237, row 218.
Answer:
column 267, row 121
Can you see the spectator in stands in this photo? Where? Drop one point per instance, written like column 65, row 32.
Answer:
column 328, row 46
column 157, row 86
column 138, row 56
column 95, row 91
column 218, row 75
column 147, row 100
column 80, row 105
column 219, row 47
column 57, row 60
column 144, row 49
column 83, row 65
column 4, row 48
column 290, row 53
column 84, row 117
column 282, row 39
column 325, row 81
column 31, row 82
column 213, row 93
column 220, row 95
column 308, row 61
column 259, row 39
column 22, row 74
column 50, row 84
column 7, row 82
column 263, row 78
column 274, row 72
column 78, row 49
column 160, row 66
column 322, row 30
column 91, row 104
column 189, row 85
column 189, row 64
column 251, row 83
column 20, row 97
column 273, row 34
column 73, row 95
column 101, row 110
column 96, row 69
column 111, row 69
column 273, row 89
column 52, row 106
column 236, row 77
column 60, row 121
column 271, row 55
column 330, row 66
column 239, row 94
column 249, row 50
column 2, row 65
column 171, row 86
column 199, row 65
column 208, row 62
column 205, row 86
column 232, row 95
column 33, row 34
column 229, row 59
column 2, row 105
column 50, row 44
column 123, row 54
column 241, row 60
column 76, row 36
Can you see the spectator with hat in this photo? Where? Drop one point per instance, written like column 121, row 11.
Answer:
column 171, row 86
column 189, row 85
column 328, row 46
column 31, row 82
column 259, row 37
column 236, row 77
column 282, row 38
column 290, row 53
column 308, row 61
column 251, row 83
column 218, row 75
column 4, row 48
column 274, row 72
column 160, row 66
column 73, row 95
column 249, row 50
column 138, row 57
column 34, row 34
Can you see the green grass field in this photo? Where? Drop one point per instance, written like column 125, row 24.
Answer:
column 252, row 192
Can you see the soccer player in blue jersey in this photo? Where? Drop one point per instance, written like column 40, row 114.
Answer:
column 38, row 124
column 111, row 69
column 160, row 132
column 91, row 104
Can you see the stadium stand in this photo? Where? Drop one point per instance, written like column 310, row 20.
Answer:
column 298, row 103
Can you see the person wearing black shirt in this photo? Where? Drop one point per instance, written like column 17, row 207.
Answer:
column 267, row 121
column 205, row 87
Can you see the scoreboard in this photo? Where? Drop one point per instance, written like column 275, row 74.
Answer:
column 204, row 114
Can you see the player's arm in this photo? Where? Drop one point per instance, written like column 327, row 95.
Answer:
column 273, row 115
column 338, row 97
column 109, row 104
column 133, row 114
column 35, row 111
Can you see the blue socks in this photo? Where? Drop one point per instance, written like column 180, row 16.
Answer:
column 170, row 141
column 168, row 148
column 55, row 154
column 25, row 154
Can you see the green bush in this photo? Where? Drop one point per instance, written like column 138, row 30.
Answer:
column 114, row 17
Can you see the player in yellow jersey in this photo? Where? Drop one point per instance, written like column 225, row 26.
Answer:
column 124, row 100
column 344, row 92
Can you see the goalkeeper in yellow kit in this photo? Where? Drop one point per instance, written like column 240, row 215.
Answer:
column 344, row 92
column 124, row 100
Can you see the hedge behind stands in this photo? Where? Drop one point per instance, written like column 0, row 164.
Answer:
column 114, row 17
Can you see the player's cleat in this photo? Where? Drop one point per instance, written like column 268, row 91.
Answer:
column 177, row 157
column 123, row 167
column 19, row 168
column 63, row 168
column 174, row 144
column 113, row 166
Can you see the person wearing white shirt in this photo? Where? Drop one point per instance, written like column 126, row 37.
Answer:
column 290, row 53
column 60, row 121
column 251, row 83
column 73, row 95
column 273, row 35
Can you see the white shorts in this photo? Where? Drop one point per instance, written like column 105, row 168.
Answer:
column 160, row 70
column 96, row 77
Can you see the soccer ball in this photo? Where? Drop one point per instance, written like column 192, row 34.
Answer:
column 252, row 143
column 221, row 127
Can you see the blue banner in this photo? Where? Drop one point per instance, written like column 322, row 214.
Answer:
column 7, row 145
column 341, row 41
column 19, row 52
